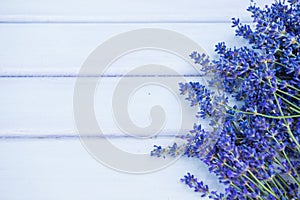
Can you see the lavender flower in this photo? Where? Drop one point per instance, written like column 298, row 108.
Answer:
column 256, row 146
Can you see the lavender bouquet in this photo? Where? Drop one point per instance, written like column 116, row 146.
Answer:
column 256, row 151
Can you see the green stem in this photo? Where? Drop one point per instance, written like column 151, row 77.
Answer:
column 283, row 92
column 253, row 190
column 285, row 122
column 292, row 87
column 284, row 99
column 283, row 181
column 287, row 158
column 260, row 114
column 261, row 184
column 279, row 64
column 295, row 180
column 288, row 85
column 254, row 182
column 279, row 185
column 267, row 184
column 269, row 84
column 293, row 109
column 287, row 125
column 278, row 162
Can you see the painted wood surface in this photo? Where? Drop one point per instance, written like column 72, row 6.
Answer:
column 124, row 11
column 43, row 45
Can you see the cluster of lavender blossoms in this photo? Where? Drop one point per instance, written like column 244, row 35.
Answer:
column 256, row 145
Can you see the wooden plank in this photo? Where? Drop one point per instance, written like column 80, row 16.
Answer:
column 43, row 107
column 93, row 11
column 56, row 169
column 60, row 49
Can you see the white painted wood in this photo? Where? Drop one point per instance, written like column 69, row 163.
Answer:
column 43, row 107
column 42, row 157
column 60, row 49
column 62, row 169
column 40, row 152
column 124, row 11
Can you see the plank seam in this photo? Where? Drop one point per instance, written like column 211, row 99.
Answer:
column 28, row 137
column 23, row 19
column 100, row 76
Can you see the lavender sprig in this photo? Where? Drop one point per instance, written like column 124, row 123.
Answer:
column 254, row 148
